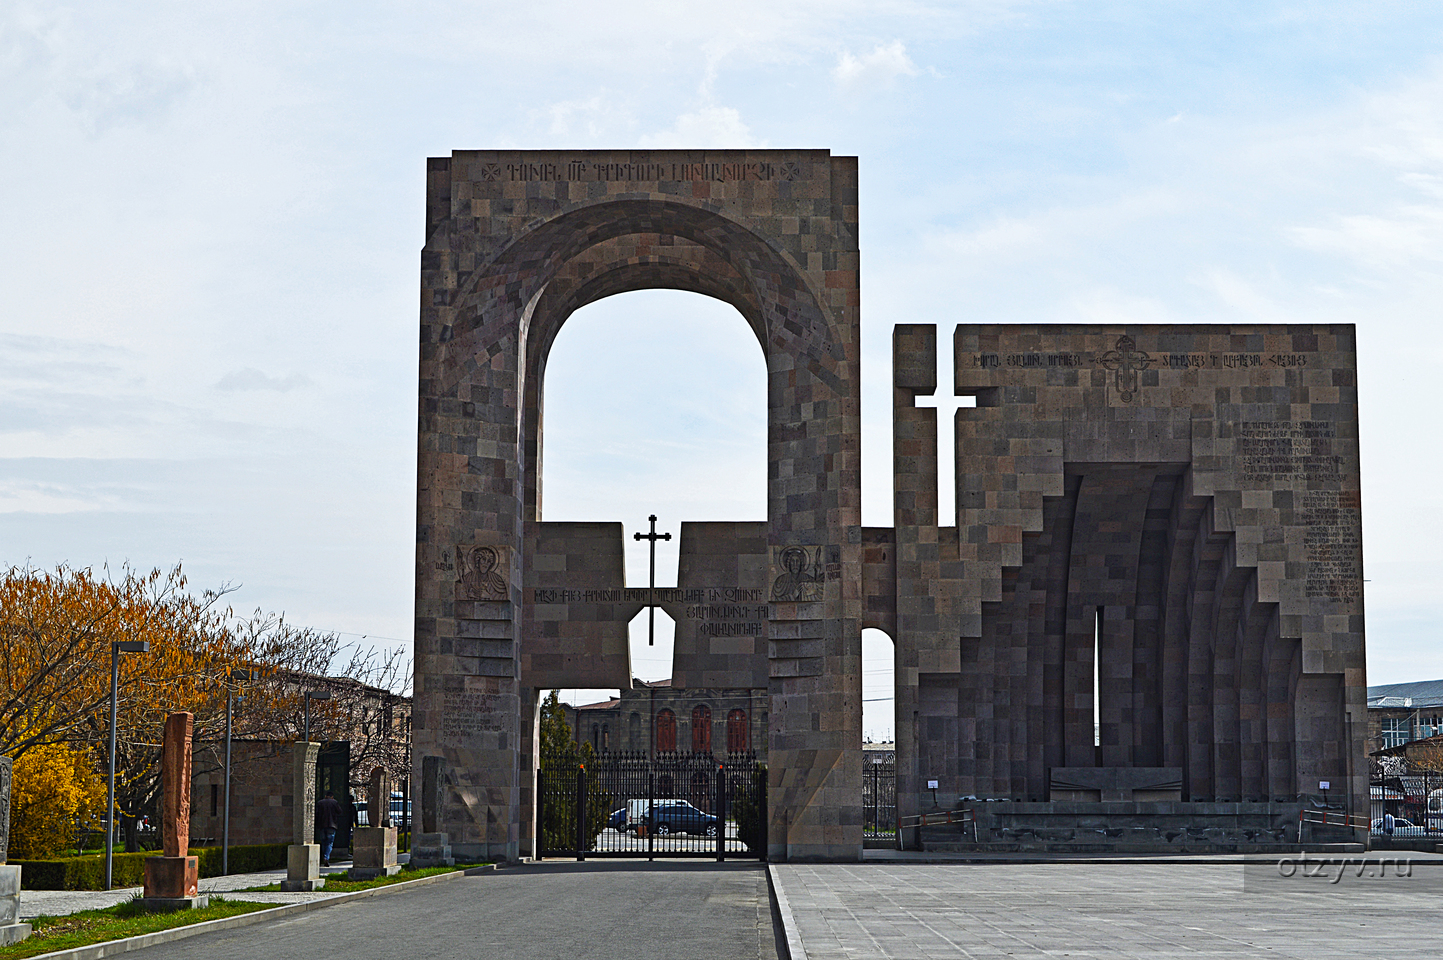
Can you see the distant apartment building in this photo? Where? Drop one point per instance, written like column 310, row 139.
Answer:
column 1400, row 713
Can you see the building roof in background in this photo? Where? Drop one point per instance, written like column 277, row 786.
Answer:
column 1420, row 693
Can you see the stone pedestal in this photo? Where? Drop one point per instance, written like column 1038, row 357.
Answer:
column 431, row 850
column 173, row 883
column 11, row 930
column 374, row 853
column 303, row 868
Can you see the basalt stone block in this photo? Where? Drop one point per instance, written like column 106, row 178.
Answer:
column 303, row 868
column 5, row 764
column 303, row 808
column 11, row 930
column 175, row 766
column 378, row 798
column 173, row 883
column 373, row 853
column 172, row 877
column 433, row 793
column 432, row 850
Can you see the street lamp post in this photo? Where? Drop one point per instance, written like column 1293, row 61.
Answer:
column 117, row 647
column 309, row 696
column 225, row 826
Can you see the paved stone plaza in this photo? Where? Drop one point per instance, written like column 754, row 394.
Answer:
column 918, row 912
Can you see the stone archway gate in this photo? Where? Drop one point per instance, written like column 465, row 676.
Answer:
column 507, row 603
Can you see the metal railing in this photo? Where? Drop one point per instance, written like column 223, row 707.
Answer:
column 671, row 805
column 939, row 818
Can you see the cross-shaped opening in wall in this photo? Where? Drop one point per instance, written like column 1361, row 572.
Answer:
column 947, row 404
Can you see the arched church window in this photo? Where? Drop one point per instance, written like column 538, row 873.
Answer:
column 665, row 731
column 605, row 736
column 737, row 739
column 701, row 728
column 595, row 737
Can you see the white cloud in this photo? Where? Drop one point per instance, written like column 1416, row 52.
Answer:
column 594, row 117
column 249, row 378
column 710, row 128
column 883, row 65
column 133, row 94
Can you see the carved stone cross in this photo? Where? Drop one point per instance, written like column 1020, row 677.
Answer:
column 1125, row 361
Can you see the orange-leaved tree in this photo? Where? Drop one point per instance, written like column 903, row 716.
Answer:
column 56, row 634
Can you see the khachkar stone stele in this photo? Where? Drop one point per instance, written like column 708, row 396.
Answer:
column 172, row 879
column 375, row 845
column 432, row 847
column 303, row 856
column 11, row 930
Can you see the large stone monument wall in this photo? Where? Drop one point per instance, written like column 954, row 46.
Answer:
column 1175, row 506
column 1180, row 505
column 507, row 603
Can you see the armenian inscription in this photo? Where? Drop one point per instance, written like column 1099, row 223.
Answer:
column 466, row 714
column 590, row 171
column 1279, row 451
column 1334, row 549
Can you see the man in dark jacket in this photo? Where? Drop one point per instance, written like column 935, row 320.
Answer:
column 329, row 815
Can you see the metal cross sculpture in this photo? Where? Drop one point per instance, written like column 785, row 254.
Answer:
column 1126, row 361
column 653, row 536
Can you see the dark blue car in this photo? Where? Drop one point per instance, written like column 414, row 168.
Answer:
column 682, row 818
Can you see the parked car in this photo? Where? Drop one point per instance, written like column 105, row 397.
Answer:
column 617, row 820
column 1401, row 828
column 399, row 808
column 636, row 810
column 681, row 817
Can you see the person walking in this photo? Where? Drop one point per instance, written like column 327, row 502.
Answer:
column 328, row 820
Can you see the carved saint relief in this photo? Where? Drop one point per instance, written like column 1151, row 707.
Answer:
column 797, row 574
column 482, row 572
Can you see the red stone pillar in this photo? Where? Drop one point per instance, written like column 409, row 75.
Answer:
column 172, row 880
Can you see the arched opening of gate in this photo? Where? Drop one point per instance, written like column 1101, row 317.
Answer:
column 681, row 436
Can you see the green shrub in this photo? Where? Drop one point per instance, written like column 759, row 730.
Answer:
column 82, row 873
column 247, row 859
column 749, row 809
column 128, row 869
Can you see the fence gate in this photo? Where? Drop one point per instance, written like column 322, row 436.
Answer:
column 879, row 796
column 670, row 805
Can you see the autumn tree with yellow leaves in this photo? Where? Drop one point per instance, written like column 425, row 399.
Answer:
column 55, row 788
column 56, row 631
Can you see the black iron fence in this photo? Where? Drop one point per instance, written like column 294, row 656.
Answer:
column 670, row 805
column 1415, row 799
column 879, row 795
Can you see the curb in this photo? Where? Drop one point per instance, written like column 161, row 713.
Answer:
column 1201, row 860
column 795, row 950
column 112, row 948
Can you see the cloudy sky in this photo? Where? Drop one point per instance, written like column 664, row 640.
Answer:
column 212, row 216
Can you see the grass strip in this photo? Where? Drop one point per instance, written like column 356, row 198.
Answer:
column 336, row 882
column 123, row 920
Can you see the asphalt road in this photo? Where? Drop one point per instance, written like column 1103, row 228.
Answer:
column 665, row 910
